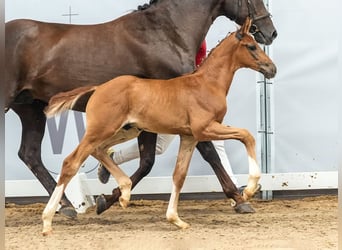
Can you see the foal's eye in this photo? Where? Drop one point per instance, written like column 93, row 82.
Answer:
column 251, row 47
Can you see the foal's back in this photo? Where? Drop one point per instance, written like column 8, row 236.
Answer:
column 152, row 104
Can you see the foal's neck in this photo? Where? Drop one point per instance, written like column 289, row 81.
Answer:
column 219, row 67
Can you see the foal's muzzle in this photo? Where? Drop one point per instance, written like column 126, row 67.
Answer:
column 269, row 70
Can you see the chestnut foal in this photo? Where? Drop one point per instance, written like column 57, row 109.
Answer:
column 191, row 105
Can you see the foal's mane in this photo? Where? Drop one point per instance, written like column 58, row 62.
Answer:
column 146, row 5
column 211, row 51
column 219, row 43
column 241, row 29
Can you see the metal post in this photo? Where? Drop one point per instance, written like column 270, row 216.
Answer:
column 265, row 109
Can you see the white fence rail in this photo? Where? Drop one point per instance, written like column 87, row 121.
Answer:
column 193, row 184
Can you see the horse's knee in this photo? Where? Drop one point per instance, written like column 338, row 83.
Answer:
column 69, row 170
column 146, row 164
column 30, row 156
column 248, row 138
column 22, row 155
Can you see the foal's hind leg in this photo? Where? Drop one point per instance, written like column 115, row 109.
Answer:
column 71, row 165
column 186, row 148
column 33, row 122
column 147, row 148
column 90, row 144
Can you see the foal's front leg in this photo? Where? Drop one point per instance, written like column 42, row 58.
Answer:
column 124, row 182
column 217, row 131
column 186, row 148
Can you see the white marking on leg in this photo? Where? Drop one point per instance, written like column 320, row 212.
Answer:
column 50, row 209
column 254, row 169
column 254, row 176
column 171, row 213
column 125, row 189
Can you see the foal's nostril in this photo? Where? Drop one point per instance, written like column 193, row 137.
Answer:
column 274, row 34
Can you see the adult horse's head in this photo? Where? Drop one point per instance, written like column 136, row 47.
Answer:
column 262, row 26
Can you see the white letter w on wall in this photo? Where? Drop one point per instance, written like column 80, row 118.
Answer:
column 57, row 133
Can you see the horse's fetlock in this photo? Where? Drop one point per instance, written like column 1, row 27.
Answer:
column 127, row 183
column 255, row 176
column 171, row 216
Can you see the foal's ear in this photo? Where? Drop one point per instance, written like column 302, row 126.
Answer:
column 246, row 26
column 244, row 30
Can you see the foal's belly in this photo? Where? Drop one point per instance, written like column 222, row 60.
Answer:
column 164, row 127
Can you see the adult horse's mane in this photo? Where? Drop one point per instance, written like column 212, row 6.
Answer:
column 146, row 5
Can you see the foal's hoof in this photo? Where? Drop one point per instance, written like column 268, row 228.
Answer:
column 244, row 208
column 179, row 223
column 182, row 225
column 47, row 232
column 68, row 212
column 123, row 202
column 101, row 204
column 247, row 194
column 257, row 190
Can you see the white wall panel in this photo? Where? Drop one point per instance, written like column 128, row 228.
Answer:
column 305, row 88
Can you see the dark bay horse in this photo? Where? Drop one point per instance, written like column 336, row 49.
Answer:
column 158, row 41
column 192, row 105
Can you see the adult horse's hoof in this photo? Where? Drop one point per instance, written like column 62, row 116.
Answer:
column 244, row 208
column 102, row 174
column 68, row 212
column 101, row 204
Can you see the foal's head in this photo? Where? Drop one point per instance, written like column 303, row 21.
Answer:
column 249, row 54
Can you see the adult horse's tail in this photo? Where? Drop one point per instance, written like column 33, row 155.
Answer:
column 75, row 99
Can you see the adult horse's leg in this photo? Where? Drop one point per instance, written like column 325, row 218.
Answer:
column 33, row 122
column 208, row 152
column 147, row 147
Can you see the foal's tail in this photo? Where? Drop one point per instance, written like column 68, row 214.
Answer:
column 75, row 99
